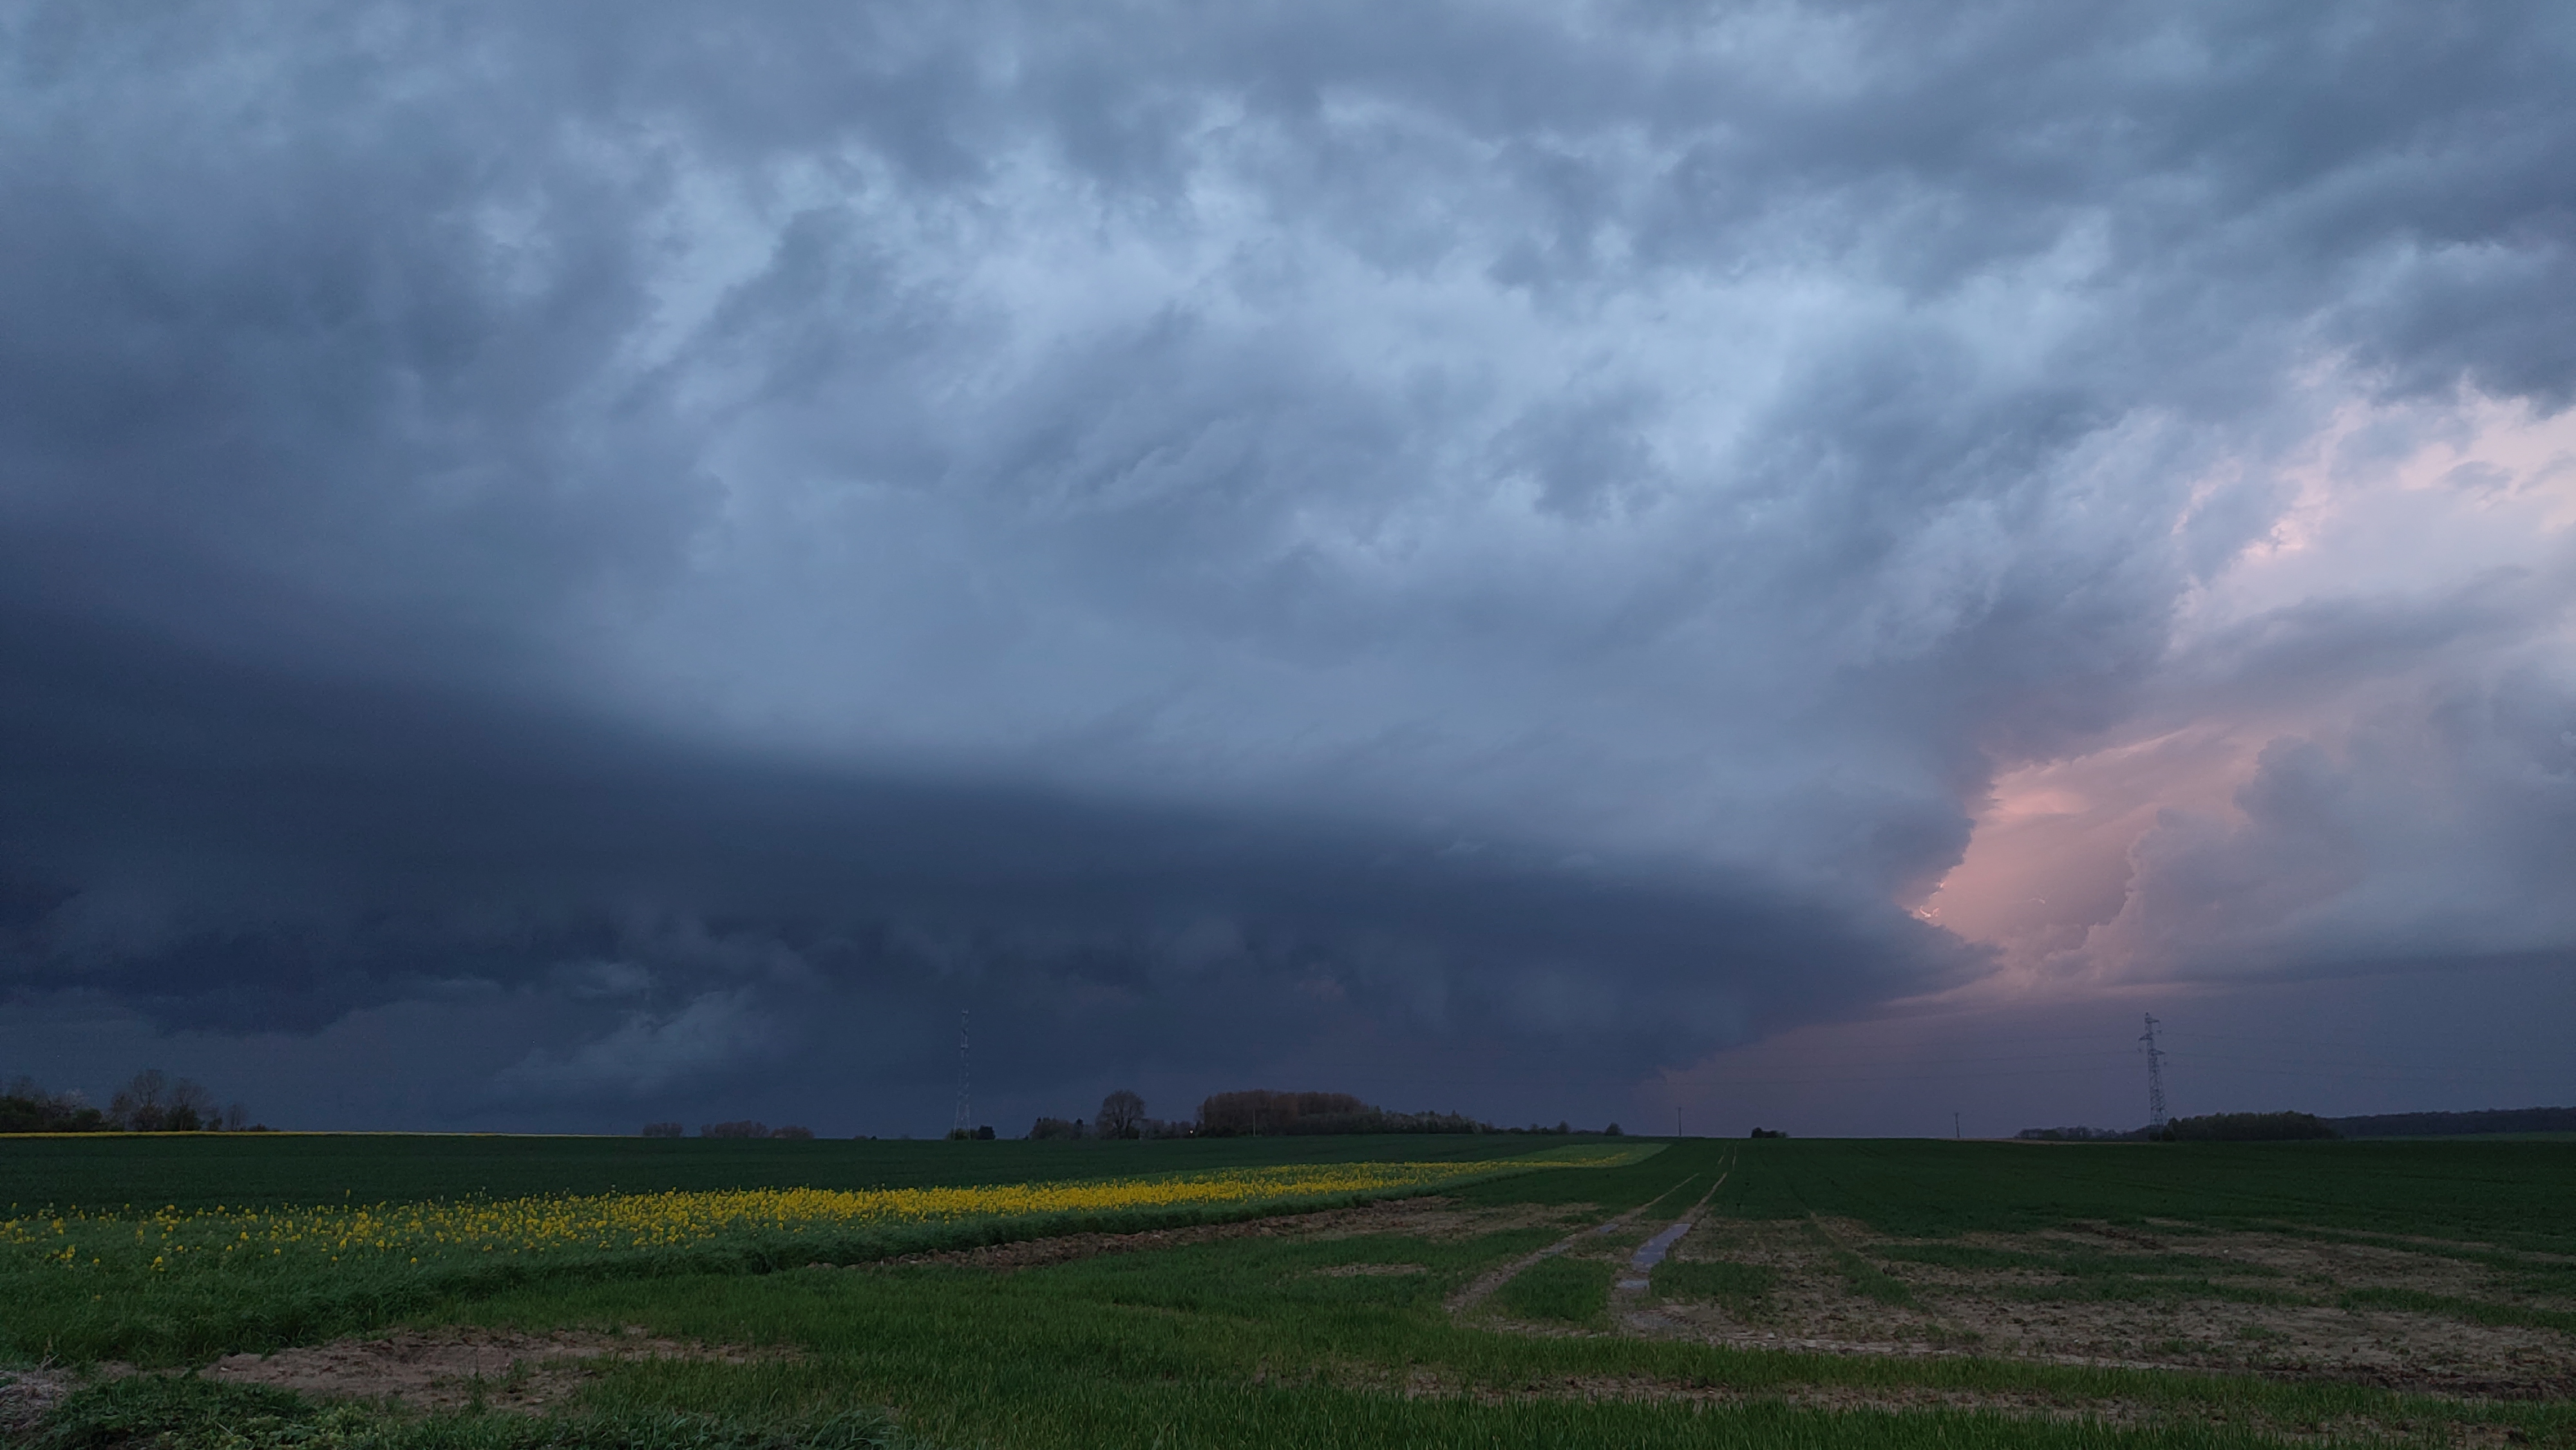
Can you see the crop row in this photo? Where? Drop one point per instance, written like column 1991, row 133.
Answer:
column 221, row 1240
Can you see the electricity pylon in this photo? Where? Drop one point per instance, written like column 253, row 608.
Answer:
column 965, row 1105
column 2155, row 1075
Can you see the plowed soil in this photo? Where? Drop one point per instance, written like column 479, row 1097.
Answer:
column 453, row 1367
column 2268, row 1303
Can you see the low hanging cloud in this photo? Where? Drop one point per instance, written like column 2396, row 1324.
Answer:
column 647, row 1054
column 1536, row 540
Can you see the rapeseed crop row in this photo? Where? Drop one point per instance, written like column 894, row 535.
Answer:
column 171, row 1241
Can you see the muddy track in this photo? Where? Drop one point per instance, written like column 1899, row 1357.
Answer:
column 1483, row 1286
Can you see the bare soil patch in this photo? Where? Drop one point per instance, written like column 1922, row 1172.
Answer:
column 25, row 1396
column 1430, row 1218
column 2270, row 1304
column 438, row 1369
column 1422, row 1382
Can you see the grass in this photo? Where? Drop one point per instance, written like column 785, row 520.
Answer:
column 1859, row 1275
column 1255, row 1340
column 1200, row 1336
column 1560, row 1290
column 195, row 1414
column 191, row 1286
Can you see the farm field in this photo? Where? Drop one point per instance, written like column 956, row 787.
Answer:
column 1305, row 1292
column 200, row 1170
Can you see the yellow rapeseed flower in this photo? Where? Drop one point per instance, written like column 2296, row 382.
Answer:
column 429, row 1232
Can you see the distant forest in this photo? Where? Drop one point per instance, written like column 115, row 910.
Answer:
column 150, row 1102
column 2428, row 1125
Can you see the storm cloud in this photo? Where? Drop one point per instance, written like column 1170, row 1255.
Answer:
column 638, row 558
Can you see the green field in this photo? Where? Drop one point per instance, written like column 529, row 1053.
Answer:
column 201, row 1170
column 1829, row 1293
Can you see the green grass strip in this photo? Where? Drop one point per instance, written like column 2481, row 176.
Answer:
column 1560, row 1290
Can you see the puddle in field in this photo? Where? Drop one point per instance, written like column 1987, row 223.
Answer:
column 441, row 1368
column 2267, row 1303
column 1641, row 1264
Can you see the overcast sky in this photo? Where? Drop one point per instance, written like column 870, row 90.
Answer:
column 572, row 564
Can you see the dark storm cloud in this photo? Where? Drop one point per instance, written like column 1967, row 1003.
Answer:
column 1236, row 529
column 248, row 852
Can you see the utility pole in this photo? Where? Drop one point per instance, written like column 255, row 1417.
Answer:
column 2155, row 1075
column 1677, row 1120
column 965, row 1106
column 1954, row 1125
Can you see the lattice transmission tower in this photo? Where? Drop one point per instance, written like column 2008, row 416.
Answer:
column 965, row 1104
column 2155, row 1075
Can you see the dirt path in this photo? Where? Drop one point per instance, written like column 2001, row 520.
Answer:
column 1641, row 1264
column 1483, row 1286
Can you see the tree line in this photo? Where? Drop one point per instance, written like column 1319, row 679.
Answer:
column 744, row 1128
column 1262, row 1112
column 151, row 1101
column 2207, row 1128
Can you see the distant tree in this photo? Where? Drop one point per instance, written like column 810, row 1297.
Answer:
column 192, row 1108
column 25, row 1107
column 663, row 1130
column 1612, row 1131
column 2248, row 1128
column 1769, row 1133
column 984, row 1133
column 1055, row 1128
column 1120, row 1112
column 137, row 1106
column 744, row 1128
column 153, row 1102
column 792, row 1131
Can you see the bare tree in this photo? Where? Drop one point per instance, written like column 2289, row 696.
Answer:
column 191, row 1108
column 141, row 1105
column 1120, row 1112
